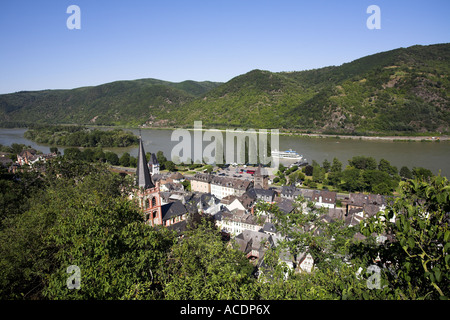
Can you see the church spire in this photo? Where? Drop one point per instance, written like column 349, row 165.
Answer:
column 143, row 178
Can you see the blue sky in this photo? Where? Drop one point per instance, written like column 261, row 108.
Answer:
column 215, row 40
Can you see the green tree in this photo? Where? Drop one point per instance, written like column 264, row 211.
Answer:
column 85, row 220
column 161, row 158
column 385, row 166
column 422, row 173
column 352, row 179
column 406, row 173
column 336, row 166
column 201, row 266
column 17, row 189
column 99, row 155
column 296, row 177
column 326, row 165
column 73, row 154
column 187, row 185
column 88, row 155
column 169, row 165
column 133, row 162
column 125, row 159
column 362, row 162
column 111, row 158
column 377, row 181
column 417, row 258
column 334, row 178
column 309, row 170
column 318, row 174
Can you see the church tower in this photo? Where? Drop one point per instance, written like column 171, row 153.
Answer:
column 261, row 179
column 153, row 164
column 147, row 193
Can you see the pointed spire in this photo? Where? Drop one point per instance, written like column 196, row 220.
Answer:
column 143, row 178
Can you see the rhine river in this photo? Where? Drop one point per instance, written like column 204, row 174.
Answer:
column 431, row 155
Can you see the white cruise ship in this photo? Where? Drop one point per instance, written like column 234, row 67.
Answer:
column 288, row 154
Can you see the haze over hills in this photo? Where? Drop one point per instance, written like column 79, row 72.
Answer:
column 404, row 90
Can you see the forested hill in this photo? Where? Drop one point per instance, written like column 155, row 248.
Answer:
column 404, row 90
column 121, row 102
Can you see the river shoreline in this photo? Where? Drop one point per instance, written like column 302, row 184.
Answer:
column 390, row 138
column 318, row 135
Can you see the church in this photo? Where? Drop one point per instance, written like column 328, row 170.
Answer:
column 149, row 197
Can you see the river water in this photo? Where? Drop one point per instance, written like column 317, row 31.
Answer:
column 431, row 155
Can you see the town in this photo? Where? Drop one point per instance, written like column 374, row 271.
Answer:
column 230, row 197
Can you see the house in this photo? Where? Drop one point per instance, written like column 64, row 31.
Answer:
column 173, row 213
column 177, row 177
column 254, row 244
column 336, row 213
column 200, row 182
column 361, row 206
column 354, row 217
column 247, row 201
column 205, row 203
column 233, row 203
column 265, row 195
column 286, row 206
column 28, row 157
column 325, row 199
column 172, row 187
column 224, row 186
column 305, row 262
column 360, row 200
column 290, row 192
column 269, row 228
column 158, row 178
column 236, row 221
column 302, row 262
column 165, row 197
column 308, row 194
column 179, row 227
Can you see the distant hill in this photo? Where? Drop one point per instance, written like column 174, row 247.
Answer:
column 406, row 90
column 117, row 103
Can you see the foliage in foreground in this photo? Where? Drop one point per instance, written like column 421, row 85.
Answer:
column 77, row 215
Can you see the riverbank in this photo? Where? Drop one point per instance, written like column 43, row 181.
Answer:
column 374, row 138
column 417, row 138
column 411, row 138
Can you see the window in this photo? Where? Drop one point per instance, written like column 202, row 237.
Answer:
column 153, row 201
